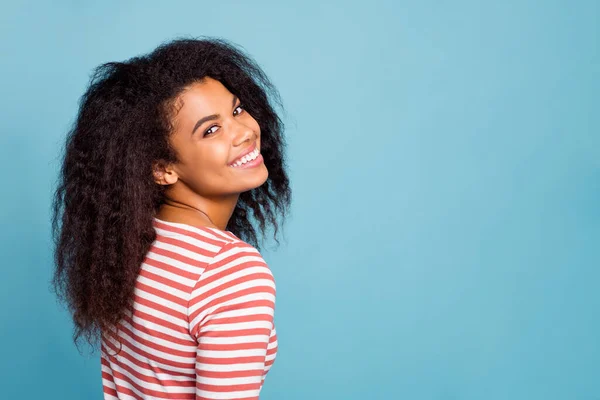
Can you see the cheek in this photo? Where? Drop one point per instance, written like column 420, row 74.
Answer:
column 257, row 127
column 252, row 123
column 207, row 171
column 210, row 160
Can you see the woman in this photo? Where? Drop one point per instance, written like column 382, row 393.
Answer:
column 156, row 256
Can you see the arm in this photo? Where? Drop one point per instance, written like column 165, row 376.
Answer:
column 231, row 316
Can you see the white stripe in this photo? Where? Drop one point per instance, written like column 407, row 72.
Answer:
column 127, row 385
column 151, row 373
column 261, row 316
column 272, row 345
column 238, row 248
column 232, row 263
column 194, row 255
column 267, row 359
column 229, row 367
column 177, row 251
column 162, row 287
column 161, row 342
column 238, row 300
column 253, row 266
column 230, row 381
column 150, row 386
column 108, row 396
column 227, row 280
column 161, row 315
column 170, row 275
column 253, row 283
column 192, row 240
column 156, row 327
column 236, row 326
column 160, row 300
column 234, row 353
column 231, row 339
column 155, row 352
column 108, row 383
column 126, row 349
column 246, row 311
column 227, row 395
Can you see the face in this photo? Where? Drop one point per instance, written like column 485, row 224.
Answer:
column 212, row 130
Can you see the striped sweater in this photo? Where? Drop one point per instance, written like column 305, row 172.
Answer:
column 201, row 326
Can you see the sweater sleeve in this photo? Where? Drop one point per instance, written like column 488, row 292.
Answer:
column 231, row 311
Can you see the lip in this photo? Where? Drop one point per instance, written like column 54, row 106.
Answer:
column 251, row 164
column 247, row 151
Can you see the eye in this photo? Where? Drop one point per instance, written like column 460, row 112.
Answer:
column 241, row 106
column 209, row 131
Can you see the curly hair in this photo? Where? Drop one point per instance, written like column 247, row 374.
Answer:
column 106, row 196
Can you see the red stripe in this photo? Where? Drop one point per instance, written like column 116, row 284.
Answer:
column 159, row 293
column 159, row 321
column 191, row 275
column 229, row 374
column 155, row 393
column 157, row 334
column 144, row 355
column 238, row 332
column 154, row 380
column 164, row 280
column 238, row 319
column 228, row 388
column 232, row 296
column 230, row 360
column 231, row 270
column 158, row 307
column 155, row 358
column 110, row 391
column 156, row 346
column 232, row 346
column 190, row 233
column 144, row 365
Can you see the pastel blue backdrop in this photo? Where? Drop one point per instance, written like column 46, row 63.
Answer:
column 445, row 160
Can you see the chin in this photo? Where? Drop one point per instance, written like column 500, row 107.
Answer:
column 263, row 177
column 256, row 180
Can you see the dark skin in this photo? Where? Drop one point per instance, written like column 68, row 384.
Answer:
column 204, row 187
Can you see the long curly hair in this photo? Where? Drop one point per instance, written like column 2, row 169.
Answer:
column 106, row 196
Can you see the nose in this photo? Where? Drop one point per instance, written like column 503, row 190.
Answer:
column 242, row 134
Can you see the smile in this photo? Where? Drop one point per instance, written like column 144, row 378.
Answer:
column 247, row 158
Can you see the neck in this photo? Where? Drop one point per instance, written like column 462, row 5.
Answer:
column 196, row 210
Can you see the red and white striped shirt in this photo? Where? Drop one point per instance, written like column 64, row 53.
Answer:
column 202, row 322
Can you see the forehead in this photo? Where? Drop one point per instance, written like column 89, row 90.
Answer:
column 203, row 96
column 198, row 100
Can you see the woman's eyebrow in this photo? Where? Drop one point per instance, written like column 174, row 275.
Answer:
column 212, row 116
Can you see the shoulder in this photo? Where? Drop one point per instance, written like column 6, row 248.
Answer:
column 206, row 248
column 235, row 249
column 237, row 276
column 236, row 258
column 203, row 242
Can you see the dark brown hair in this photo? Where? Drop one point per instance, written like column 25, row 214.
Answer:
column 106, row 197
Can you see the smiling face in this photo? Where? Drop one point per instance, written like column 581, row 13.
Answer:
column 212, row 130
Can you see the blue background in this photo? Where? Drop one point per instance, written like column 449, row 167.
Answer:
column 445, row 161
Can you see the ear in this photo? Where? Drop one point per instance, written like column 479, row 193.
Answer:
column 163, row 173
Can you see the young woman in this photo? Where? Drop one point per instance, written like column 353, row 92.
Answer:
column 171, row 155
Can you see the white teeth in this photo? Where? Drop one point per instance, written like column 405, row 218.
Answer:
column 247, row 158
